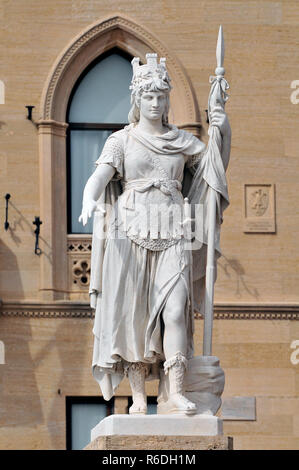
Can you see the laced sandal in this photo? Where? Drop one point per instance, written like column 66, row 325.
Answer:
column 137, row 372
column 177, row 403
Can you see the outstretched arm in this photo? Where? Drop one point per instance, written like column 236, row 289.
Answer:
column 94, row 187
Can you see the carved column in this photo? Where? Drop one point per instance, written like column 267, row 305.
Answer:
column 53, row 195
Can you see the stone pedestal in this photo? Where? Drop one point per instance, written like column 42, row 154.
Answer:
column 161, row 443
column 154, row 432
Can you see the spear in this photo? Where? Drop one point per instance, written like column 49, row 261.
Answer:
column 217, row 98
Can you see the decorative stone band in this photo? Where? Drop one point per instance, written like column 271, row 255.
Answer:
column 46, row 310
column 78, row 246
column 71, row 309
column 254, row 312
column 253, row 316
column 79, row 243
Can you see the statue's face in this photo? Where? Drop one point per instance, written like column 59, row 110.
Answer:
column 153, row 104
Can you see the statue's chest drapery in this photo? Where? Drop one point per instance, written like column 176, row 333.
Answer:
column 139, row 162
column 151, row 171
column 151, row 205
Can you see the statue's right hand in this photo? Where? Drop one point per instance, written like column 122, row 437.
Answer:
column 87, row 210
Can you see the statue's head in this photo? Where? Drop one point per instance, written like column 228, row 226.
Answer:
column 149, row 79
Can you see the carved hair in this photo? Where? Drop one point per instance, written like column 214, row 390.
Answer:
column 150, row 77
column 134, row 113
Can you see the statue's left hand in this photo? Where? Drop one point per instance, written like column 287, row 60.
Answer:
column 218, row 117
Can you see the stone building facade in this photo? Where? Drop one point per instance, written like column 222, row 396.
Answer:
column 45, row 319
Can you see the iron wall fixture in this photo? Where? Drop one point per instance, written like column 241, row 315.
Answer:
column 38, row 223
column 29, row 112
column 6, row 223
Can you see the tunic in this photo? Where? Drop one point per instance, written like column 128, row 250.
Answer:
column 142, row 259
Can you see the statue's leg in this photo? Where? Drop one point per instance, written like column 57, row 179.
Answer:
column 137, row 372
column 175, row 348
column 175, row 334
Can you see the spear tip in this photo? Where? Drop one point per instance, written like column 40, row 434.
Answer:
column 220, row 49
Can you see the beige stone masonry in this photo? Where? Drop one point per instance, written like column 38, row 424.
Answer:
column 161, row 443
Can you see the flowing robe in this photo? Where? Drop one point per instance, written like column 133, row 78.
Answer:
column 137, row 262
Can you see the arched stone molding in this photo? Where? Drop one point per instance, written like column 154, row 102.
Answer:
column 100, row 37
column 122, row 32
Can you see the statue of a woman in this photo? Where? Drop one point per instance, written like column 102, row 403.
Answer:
column 141, row 279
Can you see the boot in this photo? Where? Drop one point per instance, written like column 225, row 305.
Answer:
column 137, row 372
column 177, row 403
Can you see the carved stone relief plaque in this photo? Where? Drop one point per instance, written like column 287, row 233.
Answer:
column 259, row 208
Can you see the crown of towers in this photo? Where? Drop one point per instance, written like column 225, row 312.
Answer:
column 152, row 70
column 151, row 64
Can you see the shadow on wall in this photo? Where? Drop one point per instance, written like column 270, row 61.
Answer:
column 10, row 279
column 73, row 375
column 17, row 223
column 19, row 399
column 21, row 224
column 233, row 269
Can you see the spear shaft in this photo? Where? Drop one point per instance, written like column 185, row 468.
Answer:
column 210, row 276
column 215, row 98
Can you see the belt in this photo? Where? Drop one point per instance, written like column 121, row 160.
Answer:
column 141, row 185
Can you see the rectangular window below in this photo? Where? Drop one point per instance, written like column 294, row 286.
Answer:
column 83, row 414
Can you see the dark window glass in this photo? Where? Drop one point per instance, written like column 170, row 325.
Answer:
column 99, row 105
column 83, row 414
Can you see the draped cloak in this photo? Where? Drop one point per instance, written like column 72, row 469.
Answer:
column 203, row 169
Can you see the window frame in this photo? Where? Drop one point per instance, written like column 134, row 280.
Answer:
column 90, row 126
column 82, row 400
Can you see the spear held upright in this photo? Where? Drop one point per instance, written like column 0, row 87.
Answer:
column 217, row 98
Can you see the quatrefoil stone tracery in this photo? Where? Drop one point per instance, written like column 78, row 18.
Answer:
column 81, row 272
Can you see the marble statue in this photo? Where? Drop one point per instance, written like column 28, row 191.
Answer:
column 142, row 273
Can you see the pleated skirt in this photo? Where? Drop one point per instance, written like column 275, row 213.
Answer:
column 128, row 323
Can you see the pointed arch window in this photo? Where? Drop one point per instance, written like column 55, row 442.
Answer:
column 99, row 105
